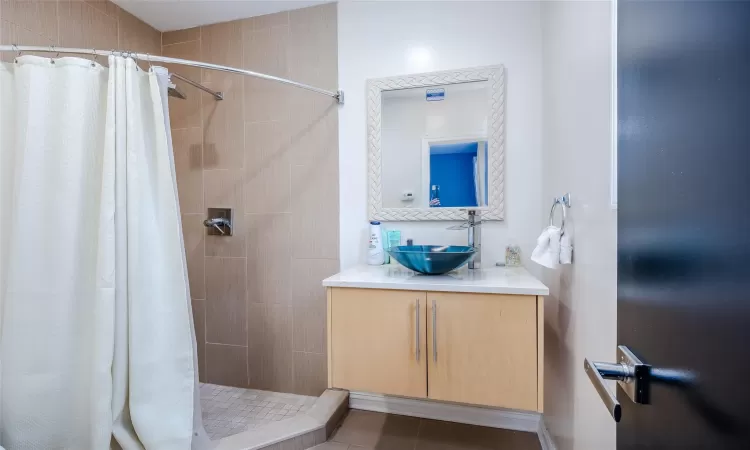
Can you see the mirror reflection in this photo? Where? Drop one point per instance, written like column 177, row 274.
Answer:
column 434, row 146
column 458, row 173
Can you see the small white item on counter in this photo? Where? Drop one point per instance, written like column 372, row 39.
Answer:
column 375, row 253
column 547, row 251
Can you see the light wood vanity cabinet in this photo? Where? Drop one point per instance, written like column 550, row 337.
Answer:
column 483, row 349
column 374, row 345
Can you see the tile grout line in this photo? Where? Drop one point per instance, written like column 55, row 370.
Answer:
column 419, row 429
column 287, row 120
column 203, row 202
column 57, row 17
column 244, row 208
column 186, row 129
column 293, row 330
column 203, row 231
column 224, row 257
column 177, row 43
column 225, row 345
column 247, row 325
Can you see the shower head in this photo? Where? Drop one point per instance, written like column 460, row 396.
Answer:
column 175, row 91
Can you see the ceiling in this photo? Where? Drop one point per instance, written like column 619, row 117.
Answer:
column 168, row 15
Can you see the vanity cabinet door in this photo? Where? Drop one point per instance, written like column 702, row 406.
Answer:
column 377, row 341
column 482, row 349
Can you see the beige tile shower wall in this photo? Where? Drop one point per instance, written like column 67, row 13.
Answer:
column 269, row 152
column 96, row 24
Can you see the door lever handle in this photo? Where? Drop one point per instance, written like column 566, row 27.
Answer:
column 632, row 375
column 610, row 401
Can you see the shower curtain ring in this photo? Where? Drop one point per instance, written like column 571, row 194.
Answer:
column 132, row 56
column 150, row 65
column 52, row 50
column 94, row 56
column 18, row 52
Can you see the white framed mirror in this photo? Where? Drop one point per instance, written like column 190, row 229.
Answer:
column 436, row 144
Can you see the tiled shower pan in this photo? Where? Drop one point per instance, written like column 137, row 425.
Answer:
column 248, row 419
column 230, row 410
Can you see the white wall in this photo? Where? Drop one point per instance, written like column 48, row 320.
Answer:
column 557, row 56
column 379, row 39
column 581, row 310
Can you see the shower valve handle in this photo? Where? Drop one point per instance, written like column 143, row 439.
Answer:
column 217, row 222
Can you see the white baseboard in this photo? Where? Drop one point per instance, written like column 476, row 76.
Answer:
column 508, row 419
column 545, row 439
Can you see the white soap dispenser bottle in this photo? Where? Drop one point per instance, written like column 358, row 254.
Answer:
column 375, row 254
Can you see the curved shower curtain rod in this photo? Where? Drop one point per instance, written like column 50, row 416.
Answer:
column 339, row 95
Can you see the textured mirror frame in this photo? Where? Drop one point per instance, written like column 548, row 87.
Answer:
column 495, row 209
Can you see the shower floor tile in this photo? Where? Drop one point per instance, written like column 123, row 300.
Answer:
column 229, row 410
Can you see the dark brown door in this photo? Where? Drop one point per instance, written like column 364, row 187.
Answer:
column 684, row 220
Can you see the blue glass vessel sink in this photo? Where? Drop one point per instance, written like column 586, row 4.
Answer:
column 432, row 259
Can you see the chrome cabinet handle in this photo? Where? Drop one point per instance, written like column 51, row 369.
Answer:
column 434, row 331
column 417, row 332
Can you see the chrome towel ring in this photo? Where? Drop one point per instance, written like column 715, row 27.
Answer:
column 564, row 203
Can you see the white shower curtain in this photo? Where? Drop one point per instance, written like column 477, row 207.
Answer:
column 96, row 346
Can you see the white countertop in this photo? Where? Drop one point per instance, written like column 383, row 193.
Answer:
column 492, row 280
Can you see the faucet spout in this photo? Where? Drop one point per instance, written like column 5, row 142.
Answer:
column 473, row 225
column 475, row 238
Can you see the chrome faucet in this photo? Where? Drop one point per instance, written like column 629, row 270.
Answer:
column 473, row 225
column 219, row 223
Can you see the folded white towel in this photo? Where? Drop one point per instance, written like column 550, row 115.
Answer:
column 552, row 248
column 566, row 249
column 547, row 251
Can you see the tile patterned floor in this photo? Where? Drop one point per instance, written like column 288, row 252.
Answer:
column 364, row 430
column 229, row 410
